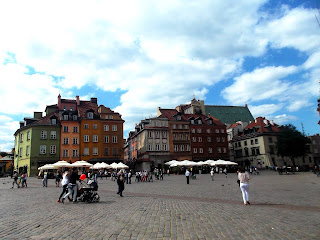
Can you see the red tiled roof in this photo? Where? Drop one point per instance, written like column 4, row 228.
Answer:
column 262, row 123
column 85, row 106
column 45, row 120
column 234, row 125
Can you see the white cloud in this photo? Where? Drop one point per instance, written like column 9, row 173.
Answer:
column 265, row 109
column 282, row 119
column 7, row 128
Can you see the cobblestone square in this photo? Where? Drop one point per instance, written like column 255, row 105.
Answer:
column 282, row 207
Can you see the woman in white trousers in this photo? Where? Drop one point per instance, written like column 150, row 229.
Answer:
column 243, row 176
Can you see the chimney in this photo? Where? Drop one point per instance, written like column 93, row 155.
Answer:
column 271, row 122
column 59, row 101
column 78, row 100
column 37, row 115
column 94, row 100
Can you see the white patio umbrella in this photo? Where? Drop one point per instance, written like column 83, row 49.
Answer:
column 96, row 166
column 210, row 162
column 62, row 164
column 122, row 165
column 114, row 165
column 105, row 165
column 47, row 167
column 171, row 162
column 224, row 162
column 81, row 164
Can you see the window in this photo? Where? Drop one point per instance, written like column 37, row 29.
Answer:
column 186, row 126
column 86, row 126
column 28, row 151
column 199, row 139
column 106, row 151
column 223, row 139
column 270, row 140
column 75, row 153
column 157, row 134
column 65, row 129
column 95, row 151
column 210, row 150
column 95, row 126
column 245, row 143
column 193, row 130
column 194, row 139
column 174, row 126
column 86, row 138
column 222, row 130
column 219, row 150
column 164, row 134
column 157, row 147
column 75, row 129
column 90, row 115
column 114, row 128
column 258, row 151
column 53, row 135
column 180, row 126
column 218, row 139
column 251, row 141
column 187, row 136
column 71, row 108
column 106, row 127
column 224, row 150
column 53, row 121
column 239, row 144
column 194, row 150
column 187, row 147
column 176, row 148
column 43, row 134
column 181, row 136
column 149, row 147
column 271, row 149
column 28, row 135
column 199, row 121
column 178, row 117
column 199, row 130
column 209, row 139
column 149, row 134
column 106, row 117
column 246, row 152
column 164, row 147
column 192, row 121
column 200, row 150
column 114, row 151
column 106, row 139
column 110, row 117
column 53, row 149
column 114, row 139
column 210, row 122
column 65, row 117
column 20, row 154
column 182, row 148
column 75, row 141
column 208, row 130
column 65, row 140
column 217, row 130
column 43, row 149
column 95, row 138
column 74, row 117
column 65, row 153
column 256, row 141
column 86, row 151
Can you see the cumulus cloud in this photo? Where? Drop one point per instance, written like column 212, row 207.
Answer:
column 265, row 109
column 7, row 127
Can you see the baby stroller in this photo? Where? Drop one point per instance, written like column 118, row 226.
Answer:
column 88, row 192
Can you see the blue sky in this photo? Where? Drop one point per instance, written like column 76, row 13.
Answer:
column 135, row 56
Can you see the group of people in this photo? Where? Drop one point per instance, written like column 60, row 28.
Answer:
column 19, row 179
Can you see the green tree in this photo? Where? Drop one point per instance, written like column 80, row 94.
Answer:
column 291, row 143
column 3, row 154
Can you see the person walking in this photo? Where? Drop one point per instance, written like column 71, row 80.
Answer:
column 243, row 177
column 58, row 178
column 129, row 176
column 45, row 179
column 15, row 179
column 64, row 183
column 120, row 182
column 187, row 175
column 73, row 187
column 24, row 180
column 212, row 174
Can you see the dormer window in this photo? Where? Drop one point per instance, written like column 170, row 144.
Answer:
column 199, row 121
column 65, row 117
column 178, row 117
column 71, row 108
column 53, row 121
column 192, row 121
column 74, row 117
column 90, row 115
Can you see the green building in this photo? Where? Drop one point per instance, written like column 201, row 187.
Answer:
column 37, row 142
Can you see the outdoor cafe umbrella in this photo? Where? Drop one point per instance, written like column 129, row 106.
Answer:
column 224, row 162
column 171, row 162
column 122, row 165
column 47, row 167
column 81, row 164
column 114, row 165
column 96, row 166
column 62, row 164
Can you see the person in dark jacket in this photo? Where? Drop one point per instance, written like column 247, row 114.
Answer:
column 72, row 187
column 120, row 182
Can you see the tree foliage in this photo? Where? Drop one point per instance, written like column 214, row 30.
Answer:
column 291, row 143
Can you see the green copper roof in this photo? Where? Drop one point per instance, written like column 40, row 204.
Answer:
column 229, row 114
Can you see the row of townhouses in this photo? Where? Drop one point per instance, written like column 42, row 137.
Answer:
column 74, row 130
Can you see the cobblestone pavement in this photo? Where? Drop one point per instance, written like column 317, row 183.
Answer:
column 282, row 207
